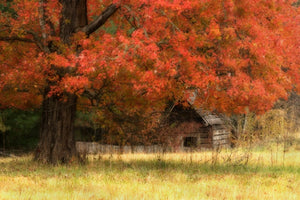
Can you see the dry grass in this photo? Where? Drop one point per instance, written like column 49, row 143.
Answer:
column 229, row 174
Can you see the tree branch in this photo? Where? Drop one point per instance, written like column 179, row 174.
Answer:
column 100, row 20
column 27, row 40
column 12, row 39
column 38, row 41
column 42, row 17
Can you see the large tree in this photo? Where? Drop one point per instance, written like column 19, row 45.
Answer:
column 123, row 55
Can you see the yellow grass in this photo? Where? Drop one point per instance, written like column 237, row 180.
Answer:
column 229, row 174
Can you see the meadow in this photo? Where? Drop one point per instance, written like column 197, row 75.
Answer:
column 242, row 173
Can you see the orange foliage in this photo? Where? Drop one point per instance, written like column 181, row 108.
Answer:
column 236, row 54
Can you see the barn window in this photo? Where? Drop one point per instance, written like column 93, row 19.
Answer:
column 190, row 142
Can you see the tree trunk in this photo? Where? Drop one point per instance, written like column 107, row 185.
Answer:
column 57, row 142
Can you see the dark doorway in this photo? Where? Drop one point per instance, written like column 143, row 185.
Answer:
column 190, row 142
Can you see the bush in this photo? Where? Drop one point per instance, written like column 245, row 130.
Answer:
column 22, row 129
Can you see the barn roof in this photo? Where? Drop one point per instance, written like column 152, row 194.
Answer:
column 208, row 117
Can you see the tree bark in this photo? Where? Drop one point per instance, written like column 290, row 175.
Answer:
column 57, row 141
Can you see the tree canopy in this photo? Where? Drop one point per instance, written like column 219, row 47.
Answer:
column 134, row 54
column 234, row 53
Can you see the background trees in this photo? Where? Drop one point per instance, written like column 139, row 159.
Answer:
column 131, row 56
column 19, row 129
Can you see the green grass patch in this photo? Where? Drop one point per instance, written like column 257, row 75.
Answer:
column 207, row 175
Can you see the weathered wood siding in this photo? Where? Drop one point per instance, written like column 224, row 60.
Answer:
column 205, row 137
column 220, row 136
column 209, row 137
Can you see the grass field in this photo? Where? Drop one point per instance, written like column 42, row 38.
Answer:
column 229, row 174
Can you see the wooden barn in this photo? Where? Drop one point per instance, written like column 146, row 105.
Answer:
column 183, row 129
column 192, row 128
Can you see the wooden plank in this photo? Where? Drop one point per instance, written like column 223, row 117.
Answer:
column 205, row 140
column 217, row 137
column 219, row 142
column 225, row 139
column 204, row 135
column 220, row 137
column 204, row 129
column 218, row 127
column 213, row 121
column 221, row 132
column 200, row 133
column 210, row 118
column 201, row 138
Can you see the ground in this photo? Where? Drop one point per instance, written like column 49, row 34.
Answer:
column 267, row 173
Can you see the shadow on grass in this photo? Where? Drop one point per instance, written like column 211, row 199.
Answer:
column 196, row 167
column 141, row 167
